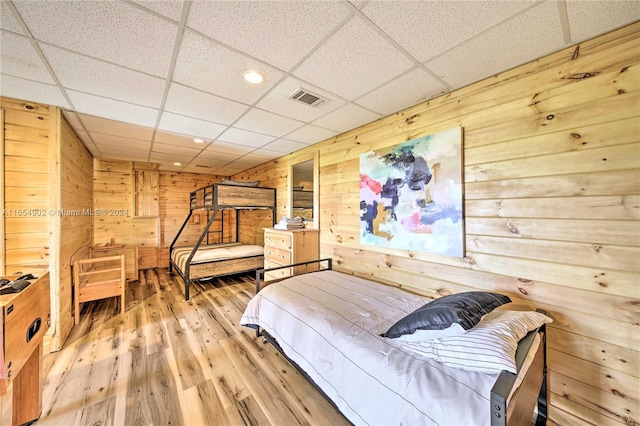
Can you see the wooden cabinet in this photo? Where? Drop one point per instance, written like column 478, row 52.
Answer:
column 25, row 320
column 286, row 247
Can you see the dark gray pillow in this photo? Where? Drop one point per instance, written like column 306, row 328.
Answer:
column 465, row 309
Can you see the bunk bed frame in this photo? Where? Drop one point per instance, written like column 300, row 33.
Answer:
column 215, row 199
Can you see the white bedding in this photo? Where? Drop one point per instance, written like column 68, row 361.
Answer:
column 214, row 252
column 329, row 323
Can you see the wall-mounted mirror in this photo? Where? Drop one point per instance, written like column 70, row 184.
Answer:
column 303, row 189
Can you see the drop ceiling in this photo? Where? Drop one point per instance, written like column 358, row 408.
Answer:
column 139, row 80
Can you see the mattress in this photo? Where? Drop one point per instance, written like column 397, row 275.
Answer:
column 329, row 323
column 214, row 253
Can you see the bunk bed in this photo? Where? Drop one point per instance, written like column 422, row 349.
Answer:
column 381, row 355
column 209, row 260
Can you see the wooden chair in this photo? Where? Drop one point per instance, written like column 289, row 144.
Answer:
column 97, row 278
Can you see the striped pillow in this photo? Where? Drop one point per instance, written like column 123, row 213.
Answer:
column 489, row 347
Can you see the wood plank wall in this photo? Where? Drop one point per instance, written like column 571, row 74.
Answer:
column 112, row 186
column 552, row 211
column 28, row 135
column 76, row 222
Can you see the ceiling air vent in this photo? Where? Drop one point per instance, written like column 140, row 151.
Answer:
column 306, row 97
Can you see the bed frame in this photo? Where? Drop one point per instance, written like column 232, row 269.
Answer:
column 530, row 399
column 215, row 199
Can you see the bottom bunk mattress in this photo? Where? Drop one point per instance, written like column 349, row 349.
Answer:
column 330, row 324
column 214, row 253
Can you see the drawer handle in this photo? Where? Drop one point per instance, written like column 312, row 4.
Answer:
column 33, row 329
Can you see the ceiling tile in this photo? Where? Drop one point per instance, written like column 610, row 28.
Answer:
column 73, row 119
column 170, row 168
column 407, row 90
column 246, row 162
column 169, row 138
column 277, row 100
column 104, row 79
column 310, row 134
column 125, row 155
column 19, row 59
column 33, row 91
column 279, row 33
column 208, row 162
column 190, row 126
column 171, row 9
column 112, row 109
column 587, row 18
column 225, row 148
column 526, row 37
column 173, row 149
column 208, row 66
column 284, row 146
column 358, row 48
column 200, row 170
column 119, row 142
column 211, row 154
column 228, row 170
column 109, row 151
column 116, row 128
column 441, row 24
column 265, row 154
column 346, row 118
column 161, row 156
column 265, row 122
column 7, row 21
column 112, row 31
column 194, row 103
column 244, row 137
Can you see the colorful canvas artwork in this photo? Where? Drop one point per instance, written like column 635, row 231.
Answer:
column 411, row 195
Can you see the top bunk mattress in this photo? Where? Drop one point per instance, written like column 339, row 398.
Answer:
column 214, row 253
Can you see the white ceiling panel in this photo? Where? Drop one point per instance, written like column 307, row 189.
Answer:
column 173, row 149
column 169, row 138
column 426, row 29
column 19, row 59
column 104, row 79
column 278, row 101
column 267, row 123
column 161, row 156
column 244, row 137
column 7, row 21
column 360, row 49
column 171, row 8
column 284, row 146
column 109, row 30
column 34, row 91
column 346, row 118
column 146, row 77
column 310, row 134
column 116, row 128
column 409, row 89
column 190, row 126
column 528, row 36
column 279, row 33
column 210, row 67
column 587, row 17
column 194, row 103
column 118, row 141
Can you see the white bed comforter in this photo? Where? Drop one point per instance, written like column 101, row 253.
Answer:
column 329, row 323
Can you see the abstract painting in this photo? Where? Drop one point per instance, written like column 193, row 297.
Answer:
column 411, row 195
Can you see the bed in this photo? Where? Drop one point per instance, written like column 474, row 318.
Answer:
column 330, row 325
column 207, row 259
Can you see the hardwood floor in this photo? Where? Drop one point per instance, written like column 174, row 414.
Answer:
column 165, row 361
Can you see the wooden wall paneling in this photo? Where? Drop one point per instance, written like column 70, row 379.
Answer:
column 2, row 203
column 552, row 193
column 60, row 296
column 75, row 220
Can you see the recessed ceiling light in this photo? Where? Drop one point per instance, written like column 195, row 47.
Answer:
column 253, row 77
column 198, row 140
column 177, row 164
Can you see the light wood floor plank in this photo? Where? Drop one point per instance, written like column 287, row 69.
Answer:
column 164, row 361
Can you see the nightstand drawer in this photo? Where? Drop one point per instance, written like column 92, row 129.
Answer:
column 281, row 256
column 277, row 240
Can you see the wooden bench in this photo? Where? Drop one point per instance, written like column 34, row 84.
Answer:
column 97, row 278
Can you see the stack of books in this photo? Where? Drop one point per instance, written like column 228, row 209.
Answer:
column 286, row 223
